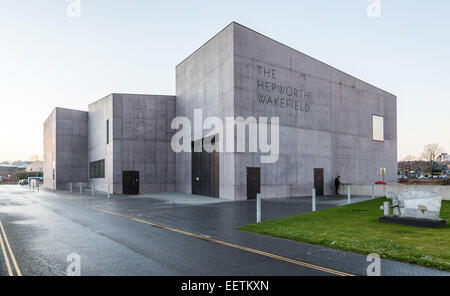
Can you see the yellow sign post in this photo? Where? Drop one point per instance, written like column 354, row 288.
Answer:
column 383, row 172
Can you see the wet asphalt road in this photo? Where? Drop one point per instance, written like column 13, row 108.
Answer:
column 43, row 231
column 113, row 237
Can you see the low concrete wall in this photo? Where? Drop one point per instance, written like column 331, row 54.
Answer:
column 381, row 190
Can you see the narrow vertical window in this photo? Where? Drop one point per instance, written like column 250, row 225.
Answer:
column 107, row 131
column 378, row 128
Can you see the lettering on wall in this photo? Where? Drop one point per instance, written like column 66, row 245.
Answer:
column 272, row 92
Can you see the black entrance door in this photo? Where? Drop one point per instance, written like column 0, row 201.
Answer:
column 205, row 171
column 131, row 182
column 197, row 179
column 318, row 181
column 253, row 182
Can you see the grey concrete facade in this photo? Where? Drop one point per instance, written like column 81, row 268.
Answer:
column 98, row 149
column 205, row 80
column 65, row 148
column 139, row 140
column 325, row 120
column 325, row 114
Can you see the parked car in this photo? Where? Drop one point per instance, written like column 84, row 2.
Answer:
column 23, row 182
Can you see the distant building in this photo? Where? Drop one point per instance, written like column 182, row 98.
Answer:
column 37, row 166
column 444, row 157
column 440, row 170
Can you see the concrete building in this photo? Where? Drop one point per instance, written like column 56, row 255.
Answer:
column 65, row 148
column 443, row 157
column 131, row 133
column 37, row 166
column 330, row 124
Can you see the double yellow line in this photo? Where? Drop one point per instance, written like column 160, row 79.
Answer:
column 7, row 250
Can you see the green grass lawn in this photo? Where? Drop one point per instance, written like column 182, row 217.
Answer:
column 356, row 228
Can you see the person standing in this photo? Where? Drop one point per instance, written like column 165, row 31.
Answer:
column 337, row 183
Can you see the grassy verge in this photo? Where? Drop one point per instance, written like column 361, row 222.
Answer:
column 356, row 228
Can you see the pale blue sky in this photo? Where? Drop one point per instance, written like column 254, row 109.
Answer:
column 48, row 59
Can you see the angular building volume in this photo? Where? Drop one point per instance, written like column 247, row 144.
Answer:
column 329, row 124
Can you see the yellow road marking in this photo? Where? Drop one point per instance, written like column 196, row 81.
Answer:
column 11, row 254
column 250, row 250
column 8, row 265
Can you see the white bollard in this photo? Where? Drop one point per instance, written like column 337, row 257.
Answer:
column 349, row 195
column 386, row 208
column 37, row 187
column 108, row 191
column 92, row 189
column 373, row 191
column 81, row 189
column 70, row 186
column 258, row 208
column 314, row 199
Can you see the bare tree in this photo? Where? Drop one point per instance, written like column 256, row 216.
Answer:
column 408, row 160
column 430, row 154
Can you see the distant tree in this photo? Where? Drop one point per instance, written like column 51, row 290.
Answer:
column 409, row 159
column 19, row 175
column 430, row 154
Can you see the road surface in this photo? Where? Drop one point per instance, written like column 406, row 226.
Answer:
column 42, row 232
column 45, row 233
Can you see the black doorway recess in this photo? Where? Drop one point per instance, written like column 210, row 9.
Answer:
column 205, row 170
column 318, row 181
column 130, row 182
column 253, row 182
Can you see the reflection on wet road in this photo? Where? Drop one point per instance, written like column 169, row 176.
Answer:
column 43, row 231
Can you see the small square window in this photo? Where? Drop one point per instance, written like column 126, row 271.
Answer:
column 97, row 169
column 378, row 128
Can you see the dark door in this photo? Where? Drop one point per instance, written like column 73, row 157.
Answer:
column 131, row 182
column 253, row 182
column 196, row 173
column 205, row 171
column 318, row 181
column 214, row 189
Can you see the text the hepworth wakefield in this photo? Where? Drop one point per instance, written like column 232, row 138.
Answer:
column 270, row 91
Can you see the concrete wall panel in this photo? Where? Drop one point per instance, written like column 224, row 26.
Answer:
column 65, row 148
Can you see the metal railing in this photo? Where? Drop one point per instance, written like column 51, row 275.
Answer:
column 84, row 188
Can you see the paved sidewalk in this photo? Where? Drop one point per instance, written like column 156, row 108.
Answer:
column 219, row 219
